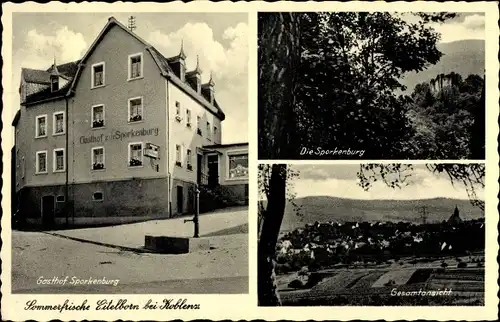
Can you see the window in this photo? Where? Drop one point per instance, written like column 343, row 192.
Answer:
column 98, row 196
column 177, row 108
column 98, row 158
column 189, row 166
column 97, row 116
column 188, row 117
column 41, row 162
column 60, row 199
column 59, row 123
column 238, row 166
column 98, row 77
column 178, row 156
column 135, row 154
column 215, row 133
column 135, row 66
column 135, row 109
column 54, row 84
column 198, row 124
column 59, row 165
column 209, row 129
column 41, row 126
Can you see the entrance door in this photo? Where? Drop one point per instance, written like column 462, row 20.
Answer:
column 199, row 167
column 213, row 170
column 180, row 199
column 48, row 203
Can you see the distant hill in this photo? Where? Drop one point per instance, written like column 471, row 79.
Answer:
column 326, row 208
column 464, row 57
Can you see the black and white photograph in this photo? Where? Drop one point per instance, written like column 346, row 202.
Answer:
column 218, row 160
column 130, row 153
column 371, row 85
column 372, row 235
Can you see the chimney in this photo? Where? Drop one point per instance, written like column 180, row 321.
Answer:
column 178, row 63
column 208, row 90
column 194, row 77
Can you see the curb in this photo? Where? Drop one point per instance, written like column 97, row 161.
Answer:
column 124, row 248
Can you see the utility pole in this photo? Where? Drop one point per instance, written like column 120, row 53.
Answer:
column 131, row 23
column 423, row 214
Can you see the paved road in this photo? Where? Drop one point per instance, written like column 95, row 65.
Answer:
column 36, row 254
column 132, row 235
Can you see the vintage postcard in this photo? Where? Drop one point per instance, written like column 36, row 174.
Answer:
column 250, row 160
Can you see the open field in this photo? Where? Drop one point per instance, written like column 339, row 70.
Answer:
column 385, row 286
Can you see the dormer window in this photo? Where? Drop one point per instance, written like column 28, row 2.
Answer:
column 54, row 83
column 198, row 84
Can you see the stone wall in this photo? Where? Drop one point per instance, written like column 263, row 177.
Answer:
column 134, row 199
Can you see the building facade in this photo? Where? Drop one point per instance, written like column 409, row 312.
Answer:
column 123, row 134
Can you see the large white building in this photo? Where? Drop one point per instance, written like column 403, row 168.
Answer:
column 83, row 129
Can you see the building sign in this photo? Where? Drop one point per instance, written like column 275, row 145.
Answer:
column 238, row 166
column 118, row 135
column 152, row 150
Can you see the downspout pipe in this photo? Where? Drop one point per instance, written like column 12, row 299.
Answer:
column 66, row 160
column 167, row 149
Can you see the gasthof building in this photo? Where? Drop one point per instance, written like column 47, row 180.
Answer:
column 124, row 134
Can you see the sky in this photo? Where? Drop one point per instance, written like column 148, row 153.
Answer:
column 341, row 181
column 464, row 27
column 220, row 40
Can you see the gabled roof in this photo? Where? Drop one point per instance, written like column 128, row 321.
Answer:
column 68, row 69
column 166, row 70
column 38, row 76
column 47, row 94
column 42, row 77
column 72, row 71
column 35, row 76
column 16, row 118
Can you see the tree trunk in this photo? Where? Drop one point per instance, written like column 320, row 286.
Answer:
column 478, row 135
column 278, row 58
column 273, row 216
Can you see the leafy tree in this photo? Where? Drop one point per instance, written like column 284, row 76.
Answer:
column 447, row 115
column 478, row 133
